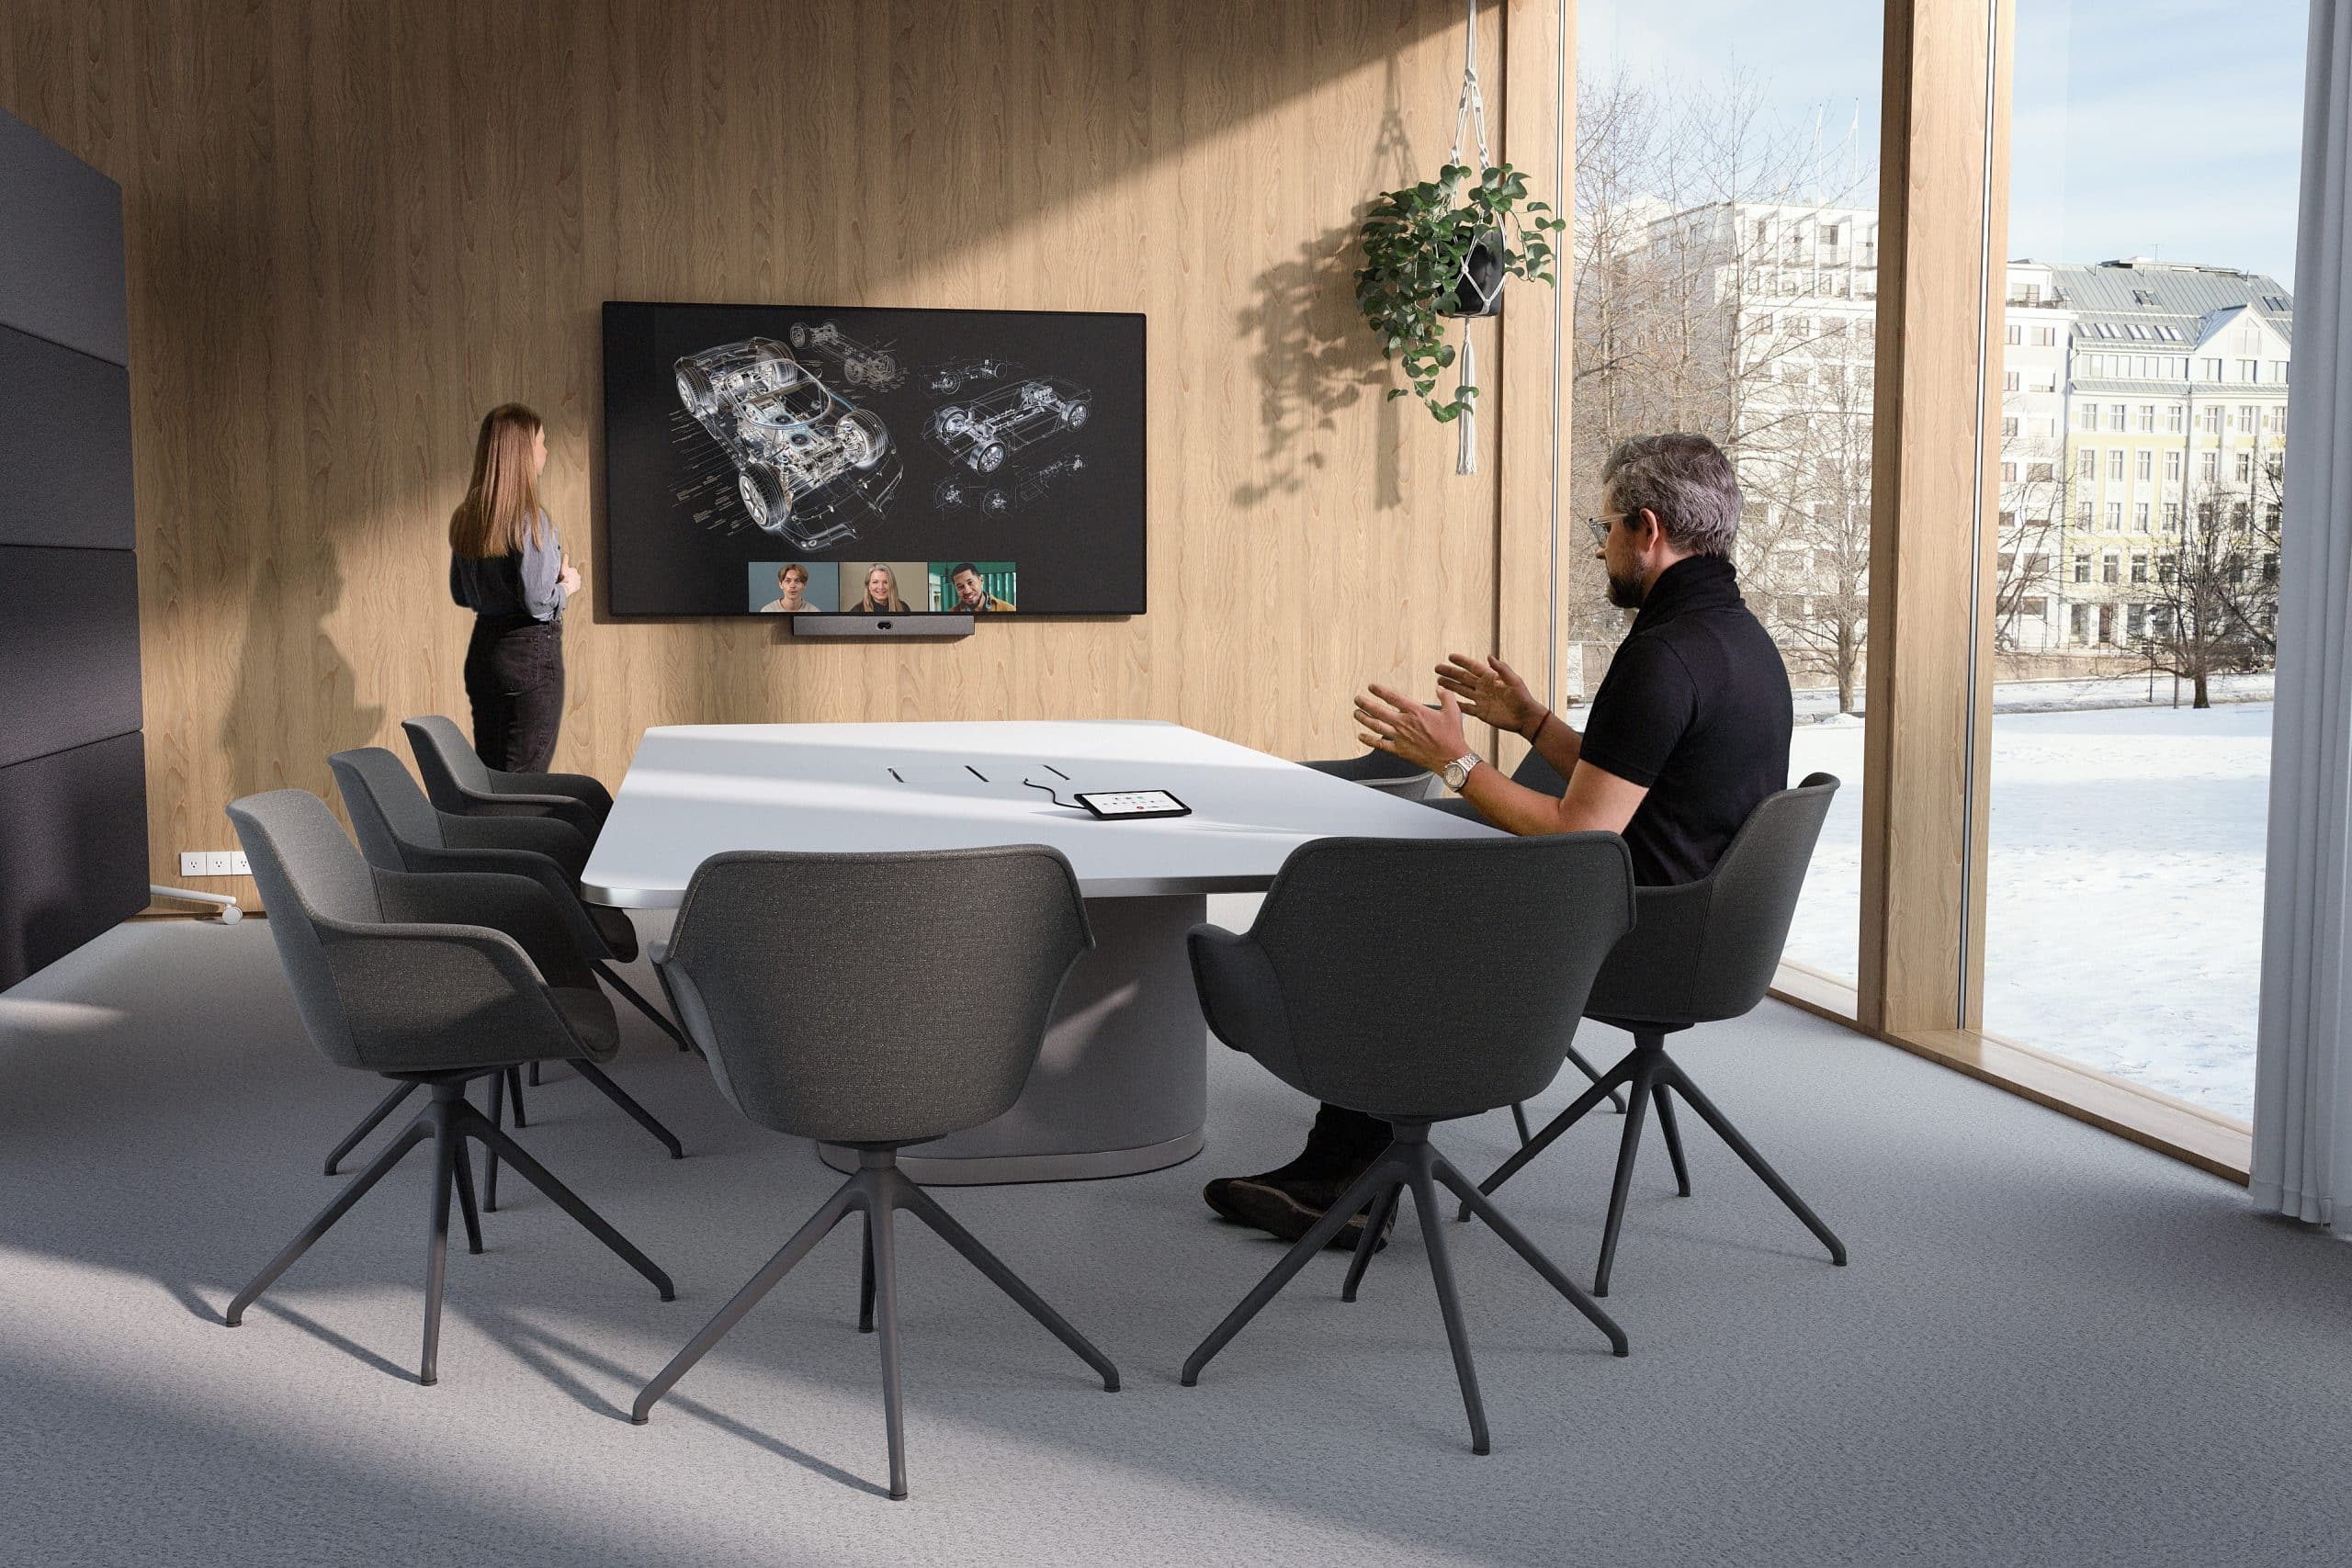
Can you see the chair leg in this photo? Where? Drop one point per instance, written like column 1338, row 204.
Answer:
column 1380, row 1171
column 1369, row 1243
column 466, row 1206
column 1616, row 1102
column 866, row 1280
column 1629, row 1148
column 1747, row 1151
column 804, row 1240
column 373, row 1120
column 499, row 1083
column 1663, row 1098
column 880, row 1222
column 903, row 1193
column 620, row 1097
column 1518, row 1122
column 475, row 1125
column 1449, row 1303
column 515, row 1087
column 535, row 1079
column 436, row 1239
column 416, row 1131
column 630, row 995
column 1483, row 1207
column 1601, row 1086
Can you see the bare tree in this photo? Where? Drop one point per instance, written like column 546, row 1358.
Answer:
column 2214, row 606
column 1680, row 326
column 2033, row 495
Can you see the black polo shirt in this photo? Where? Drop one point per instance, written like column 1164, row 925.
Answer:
column 1696, row 708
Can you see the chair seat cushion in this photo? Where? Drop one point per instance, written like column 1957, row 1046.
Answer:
column 614, row 926
column 590, row 1018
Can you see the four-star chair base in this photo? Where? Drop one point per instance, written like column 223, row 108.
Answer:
column 881, row 1189
column 1409, row 1161
column 448, row 1121
column 1651, row 1077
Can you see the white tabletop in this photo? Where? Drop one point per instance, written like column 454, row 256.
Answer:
column 695, row 790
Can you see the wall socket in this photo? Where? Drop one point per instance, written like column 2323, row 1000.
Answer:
column 214, row 863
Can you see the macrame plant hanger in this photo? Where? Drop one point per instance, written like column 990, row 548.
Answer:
column 1471, row 115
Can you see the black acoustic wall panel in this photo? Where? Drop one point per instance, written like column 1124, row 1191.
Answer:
column 61, row 246
column 72, row 850
column 69, row 652
column 64, row 446
column 72, row 768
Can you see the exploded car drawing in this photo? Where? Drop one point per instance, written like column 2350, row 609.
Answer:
column 801, row 450
column 862, row 365
column 980, row 432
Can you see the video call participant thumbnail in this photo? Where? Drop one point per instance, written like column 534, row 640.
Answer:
column 976, row 588
column 791, row 590
column 792, row 587
column 877, row 587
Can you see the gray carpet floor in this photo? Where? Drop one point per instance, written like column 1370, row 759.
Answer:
column 2050, row 1347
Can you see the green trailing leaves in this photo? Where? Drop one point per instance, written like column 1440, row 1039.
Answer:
column 1415, row 241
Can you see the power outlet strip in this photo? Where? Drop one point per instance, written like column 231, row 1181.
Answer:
column 214, row 863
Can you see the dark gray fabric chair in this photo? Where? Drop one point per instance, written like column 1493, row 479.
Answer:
column 1382, row 771
column 399, row 829
column 1534, row 773
column 427, row 980
column 459, row 782
column 770, row 964
column 1699, row 952
column 1317, row 990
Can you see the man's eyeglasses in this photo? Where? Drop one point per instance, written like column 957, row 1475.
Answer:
column 1599, row 527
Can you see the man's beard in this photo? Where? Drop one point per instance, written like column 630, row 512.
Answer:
column 1626, row 592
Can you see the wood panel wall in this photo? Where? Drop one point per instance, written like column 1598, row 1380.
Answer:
column 352, row 228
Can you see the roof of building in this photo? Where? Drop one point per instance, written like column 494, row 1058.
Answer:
column 2169, row 294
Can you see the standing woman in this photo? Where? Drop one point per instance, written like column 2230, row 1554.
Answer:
column 506, row 567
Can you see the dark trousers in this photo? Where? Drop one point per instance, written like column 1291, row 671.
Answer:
column 1348, row 1137
column 515, row 681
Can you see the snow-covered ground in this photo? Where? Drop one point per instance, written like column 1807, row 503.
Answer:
column 2124, row 928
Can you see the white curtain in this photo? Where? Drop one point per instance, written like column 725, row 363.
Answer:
column 2302, row 1094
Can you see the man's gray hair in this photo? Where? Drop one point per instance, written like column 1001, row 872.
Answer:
column 1685, row 479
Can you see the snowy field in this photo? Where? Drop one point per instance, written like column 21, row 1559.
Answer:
column 2125, row 924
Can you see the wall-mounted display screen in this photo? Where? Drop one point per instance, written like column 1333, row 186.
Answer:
column 775, row 459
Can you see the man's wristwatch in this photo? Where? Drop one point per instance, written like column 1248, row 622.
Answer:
column 1457, row 773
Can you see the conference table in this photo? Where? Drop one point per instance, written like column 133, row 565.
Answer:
column 1121, row 1084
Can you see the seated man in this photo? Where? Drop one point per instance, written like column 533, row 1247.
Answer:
column 1688, row 734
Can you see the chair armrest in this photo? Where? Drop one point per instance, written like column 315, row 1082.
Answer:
column 546, row 926
column 576, row 815
column 426, row 996
column 1241, row 999
column 1454, row 805
column 550, row 836
column 577, row 787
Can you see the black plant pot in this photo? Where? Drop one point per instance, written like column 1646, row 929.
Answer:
column 1479, row 290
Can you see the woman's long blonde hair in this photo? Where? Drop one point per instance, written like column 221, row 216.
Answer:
column 501, row 511
column 891, row 600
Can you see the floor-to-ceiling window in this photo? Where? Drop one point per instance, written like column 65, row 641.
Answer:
column 2144, row 377
column 1726, row 282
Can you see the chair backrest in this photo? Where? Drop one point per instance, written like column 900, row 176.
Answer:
column 386, row 809
column 1538, row 775
column 1707, row 950
column 1439, row 977
column 307, row 871
column 873, row 999
column 447, row 761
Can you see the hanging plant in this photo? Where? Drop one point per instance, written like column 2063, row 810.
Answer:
column 1442, row 248
column 1438, row 249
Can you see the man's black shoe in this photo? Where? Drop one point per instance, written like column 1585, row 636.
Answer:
column 1288, row 1206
